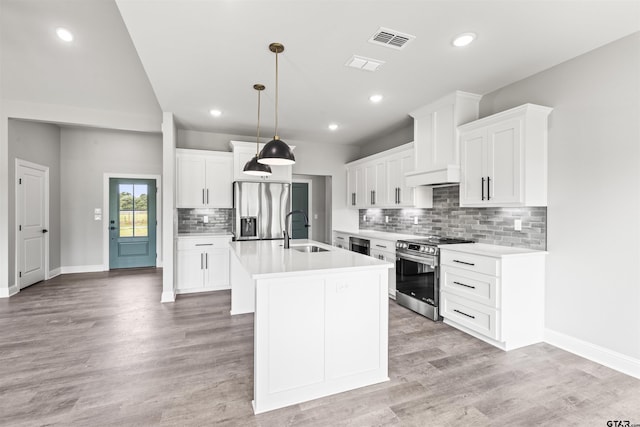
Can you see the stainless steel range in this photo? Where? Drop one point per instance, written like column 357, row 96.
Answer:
column 418, row 274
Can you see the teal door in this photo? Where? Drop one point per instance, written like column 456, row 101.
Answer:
column 299, row 201
column 132, row 223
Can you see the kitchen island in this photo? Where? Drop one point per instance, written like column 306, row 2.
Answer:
column 321, row 318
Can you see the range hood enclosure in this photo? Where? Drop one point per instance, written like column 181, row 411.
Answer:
column 435, row 132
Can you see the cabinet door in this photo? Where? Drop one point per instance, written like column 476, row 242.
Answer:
column 389, row 257
column 375, row 176
column 219, row 190
column 190, row 270
column 395, row 178
column 354, row 174
column 190, row 177
column 216, row 266
column 504, row 162
column 405, row 194
column 473, row 185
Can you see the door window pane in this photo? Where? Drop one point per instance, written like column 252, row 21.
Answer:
column 133, row 212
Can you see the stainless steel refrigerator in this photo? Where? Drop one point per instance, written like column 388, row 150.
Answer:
column 260, row 209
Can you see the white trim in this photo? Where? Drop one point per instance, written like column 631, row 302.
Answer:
column 310, row 198
column 72, row 269
column 612, row 359
column 55, row 272
column 105, row 213
column 9, row 292
column 168, row 296
column 20, row 163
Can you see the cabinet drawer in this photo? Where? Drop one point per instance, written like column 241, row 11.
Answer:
column 471, row 262
column 475, row 286
column 383, row 245
column 202, row 243
column 474, row 316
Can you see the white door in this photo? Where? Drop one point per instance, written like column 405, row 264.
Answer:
column 32, row 215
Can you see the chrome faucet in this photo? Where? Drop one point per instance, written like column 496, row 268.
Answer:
column 287, row 223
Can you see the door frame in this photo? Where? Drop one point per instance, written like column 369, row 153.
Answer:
column 105, row 213
column 25, row 163
column 310, row 200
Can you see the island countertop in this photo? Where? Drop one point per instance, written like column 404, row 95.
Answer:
column 268, row 258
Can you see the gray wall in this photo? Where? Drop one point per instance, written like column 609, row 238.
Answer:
column 86, row 155
column 394, row 137
column 593, row 291
column 38, row 143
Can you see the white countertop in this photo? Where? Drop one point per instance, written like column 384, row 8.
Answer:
column 268, row 258
column 382, row 235
column 495, row 251
column 208, row 234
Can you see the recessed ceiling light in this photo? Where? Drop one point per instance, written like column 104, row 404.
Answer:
column 333, row 126
column 215, row 113
column 64, row 34
column 375, row 98
column 464, row 39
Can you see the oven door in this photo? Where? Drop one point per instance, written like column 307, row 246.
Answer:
column 417, row 284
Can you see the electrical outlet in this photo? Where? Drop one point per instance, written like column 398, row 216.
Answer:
column 386, row 218
column 517, row 225
column 205, row 219
column 415, row 219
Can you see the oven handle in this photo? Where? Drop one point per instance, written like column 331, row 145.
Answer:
column 431, row 261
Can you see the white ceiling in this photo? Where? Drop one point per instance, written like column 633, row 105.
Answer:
column 206, row 54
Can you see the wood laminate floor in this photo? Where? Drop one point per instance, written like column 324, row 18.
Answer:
column 99, row 349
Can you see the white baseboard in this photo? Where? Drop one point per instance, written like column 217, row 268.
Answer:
column 55, row 272
column 168, row 296
column 612, row 359
column 8, row 292
column 81, row 269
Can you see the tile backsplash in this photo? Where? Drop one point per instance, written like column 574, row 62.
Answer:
column 447, row 218
column 192, row 220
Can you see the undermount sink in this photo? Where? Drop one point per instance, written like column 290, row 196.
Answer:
column 309, row 248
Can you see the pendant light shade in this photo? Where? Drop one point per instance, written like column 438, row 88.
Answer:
column 276, row 151
column 252, row 167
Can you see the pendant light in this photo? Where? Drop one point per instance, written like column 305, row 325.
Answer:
column 276, row 151
column 253, row 167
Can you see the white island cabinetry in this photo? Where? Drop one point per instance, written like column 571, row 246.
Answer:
column 495, row 293
column 320, row 323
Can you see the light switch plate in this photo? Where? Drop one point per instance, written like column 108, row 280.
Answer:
column 517, row 225
column 205, row 218
column 415, row 219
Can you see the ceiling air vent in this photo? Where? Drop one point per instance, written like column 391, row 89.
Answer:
column 362, row 63
column 391, row 38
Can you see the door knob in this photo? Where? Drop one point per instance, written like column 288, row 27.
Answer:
column 44, row 230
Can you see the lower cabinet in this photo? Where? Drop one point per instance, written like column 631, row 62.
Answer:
column 202, row 264
column 341, row 240
column 493, row 293
column 385, row 250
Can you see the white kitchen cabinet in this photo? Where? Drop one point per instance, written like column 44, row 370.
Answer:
column 435, row 133
column 494, row 293
column 504, row 159
column 385, row 250
column 245, row 151
column 378, row 181
column 355, row 187
column 204, row 179
column 341, row 240
column 202, row 264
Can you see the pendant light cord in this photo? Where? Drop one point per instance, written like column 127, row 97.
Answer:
column 276, row 133
column 258, row 131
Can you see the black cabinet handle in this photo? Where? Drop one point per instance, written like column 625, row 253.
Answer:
column 206, row 261
column 203, row 196
column 207, row 196
column 381, row 246
column 463, row 262
column 465, row 285
column 204, row 244
column 399, row 195
column 464, row 314
column 44, row 230
column 201, row 261
column 482, row 188
column 488, row 188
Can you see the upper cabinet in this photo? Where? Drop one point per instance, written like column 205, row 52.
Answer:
column 204, row 179
column 378, row 181
column 504, row 159
column 245, row 151
column 435, row 128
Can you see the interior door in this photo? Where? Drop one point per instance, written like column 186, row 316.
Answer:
column 32, row 203
column 132, row 223
column 299, row 201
